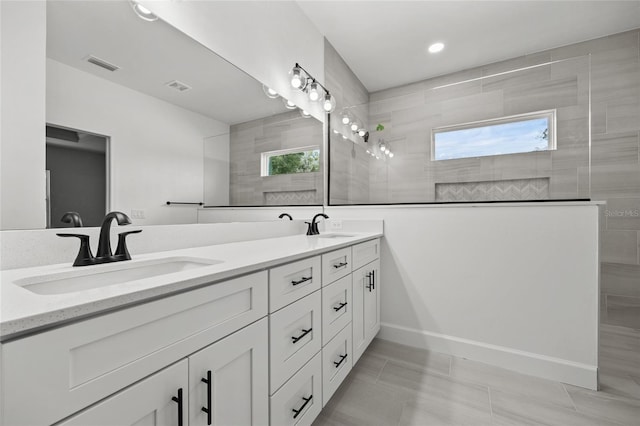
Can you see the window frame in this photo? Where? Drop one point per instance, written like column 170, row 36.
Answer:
column 550, row 114
column 265, row 156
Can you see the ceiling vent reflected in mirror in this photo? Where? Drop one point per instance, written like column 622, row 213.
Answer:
column 179, row 86
column 102, row 63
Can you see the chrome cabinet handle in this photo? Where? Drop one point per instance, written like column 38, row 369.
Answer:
column 342, row 305
column 304, row 333
column 297, row 412
column 342, row 358
column 207, row 409
column 303, row 280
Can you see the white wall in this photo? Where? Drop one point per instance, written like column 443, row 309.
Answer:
column 515, row 286
column 22, row 134
column 216, row 170
column 156, row 148
column 264, row 39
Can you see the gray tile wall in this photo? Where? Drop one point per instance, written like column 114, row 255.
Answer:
column 349, row 166
column 409, row 111
column 249, row 140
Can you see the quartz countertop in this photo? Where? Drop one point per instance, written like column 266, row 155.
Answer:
column 23, row 312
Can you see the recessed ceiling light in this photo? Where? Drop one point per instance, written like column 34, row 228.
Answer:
column 436, row 47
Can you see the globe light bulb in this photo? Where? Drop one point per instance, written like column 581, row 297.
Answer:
column 329, row 103
column 314, row 92
column 298, row 80
column 354, row 126
column 391, row 155
column 346, row 119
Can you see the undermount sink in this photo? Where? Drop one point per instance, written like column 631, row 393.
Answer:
column 91, row 277
column 335, row 235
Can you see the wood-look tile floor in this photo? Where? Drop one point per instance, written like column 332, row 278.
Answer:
column 398, row 385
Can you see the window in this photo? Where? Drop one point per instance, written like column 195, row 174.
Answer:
column 288, row 161
column 507, row 135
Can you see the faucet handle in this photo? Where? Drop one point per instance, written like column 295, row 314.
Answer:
column 310, row 228
column 84, row 257
column 122, row 250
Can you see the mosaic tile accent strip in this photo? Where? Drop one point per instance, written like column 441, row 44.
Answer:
column 500, row 190
column 290, row 197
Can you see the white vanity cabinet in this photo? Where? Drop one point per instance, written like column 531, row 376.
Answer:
column 158, row 400
column 65, row 370
column 366, row 295
column 270, row 347
column 228, row 381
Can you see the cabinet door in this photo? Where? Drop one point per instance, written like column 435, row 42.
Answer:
column 229, row 380
column 149, row 402
column 366, row 307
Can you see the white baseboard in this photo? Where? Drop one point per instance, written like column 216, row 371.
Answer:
column 557, row 369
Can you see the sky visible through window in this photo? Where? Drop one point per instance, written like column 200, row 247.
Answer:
column 497, row 139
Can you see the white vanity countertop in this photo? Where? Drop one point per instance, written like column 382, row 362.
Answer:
column 22, row 311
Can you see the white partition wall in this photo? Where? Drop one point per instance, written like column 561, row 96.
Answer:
column 512, row 285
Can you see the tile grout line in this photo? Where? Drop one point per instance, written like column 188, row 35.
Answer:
column 575, row 408
column 490, row 402
column 380, row 372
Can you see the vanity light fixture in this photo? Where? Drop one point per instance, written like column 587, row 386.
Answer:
column 143, row 12
column 270, row 92
column 436, row 47
column 302, row 80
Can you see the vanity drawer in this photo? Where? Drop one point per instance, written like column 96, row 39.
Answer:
column 290, row 282
column 336, row 363
column 366, row 252
column 295, row 336
column 74, row 366
column 336, row 307
column 336, row 265
column 299, row 401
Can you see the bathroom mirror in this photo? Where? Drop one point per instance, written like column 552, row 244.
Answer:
column 183, row 124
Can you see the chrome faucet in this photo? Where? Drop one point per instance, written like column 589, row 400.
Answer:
column 313, row 225
column 72, row 217
column 285, row 214
column 104, row 254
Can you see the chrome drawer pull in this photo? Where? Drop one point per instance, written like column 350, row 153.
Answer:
column 342, row 358
column 303, row 280
column 299, row 410
column 304, row 333
column 340, row 265
column 342, row 305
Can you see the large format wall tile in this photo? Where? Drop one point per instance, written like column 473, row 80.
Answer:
column 620, row 247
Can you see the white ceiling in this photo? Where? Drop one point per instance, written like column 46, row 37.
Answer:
column 384, row 42
column 150, row 55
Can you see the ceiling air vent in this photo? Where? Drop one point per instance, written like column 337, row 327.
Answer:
column 102, row 63
column 179, row 86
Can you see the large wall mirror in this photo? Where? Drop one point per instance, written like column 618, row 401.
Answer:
column 179, row 123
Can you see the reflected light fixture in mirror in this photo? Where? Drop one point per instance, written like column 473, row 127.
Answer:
column 143, row 12
column 288, row 104
column 270, row 92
